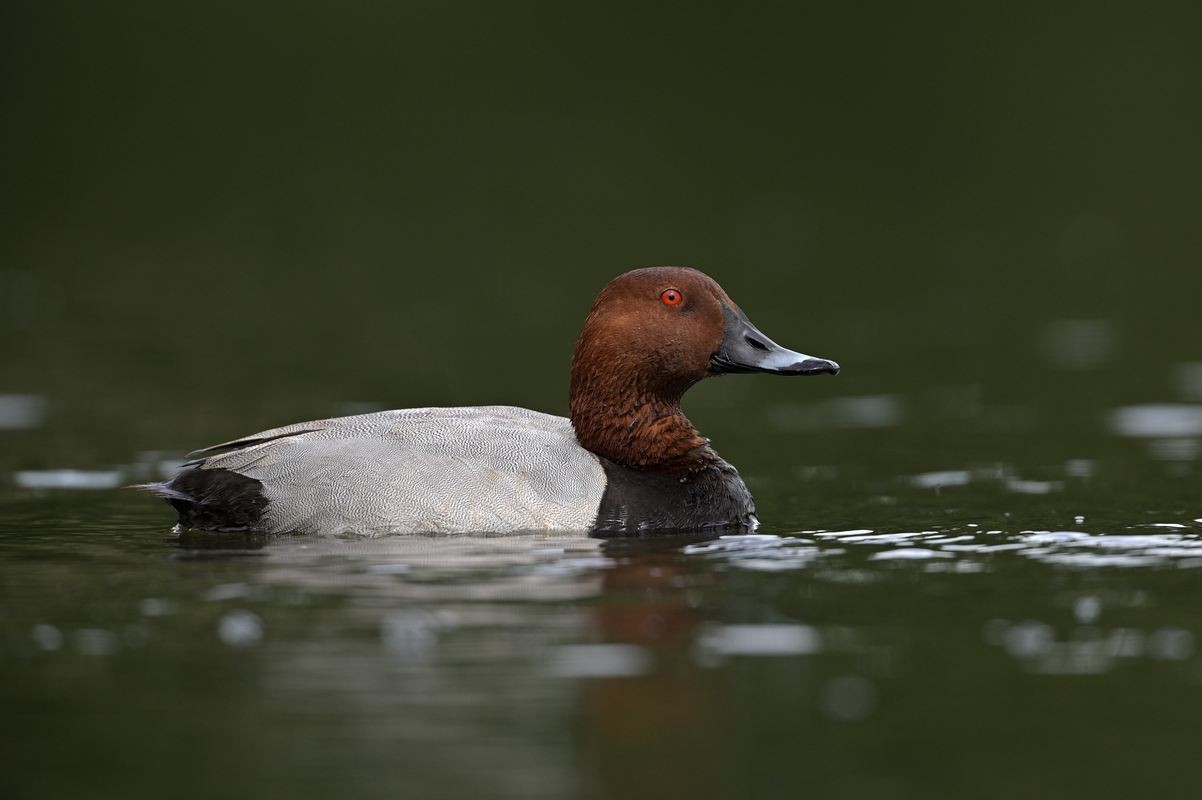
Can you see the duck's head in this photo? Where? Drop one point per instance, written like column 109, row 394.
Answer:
column 651, row 334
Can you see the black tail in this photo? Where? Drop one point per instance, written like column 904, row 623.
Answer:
column 213, row 499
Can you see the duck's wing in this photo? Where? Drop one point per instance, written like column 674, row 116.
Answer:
column 490, row 468
column 267, row 436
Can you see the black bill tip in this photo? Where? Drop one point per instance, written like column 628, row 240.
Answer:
column 816, row 366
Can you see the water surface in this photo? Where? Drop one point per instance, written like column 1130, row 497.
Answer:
column 985, row 631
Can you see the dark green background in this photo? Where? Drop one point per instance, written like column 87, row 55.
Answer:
column 253, row 213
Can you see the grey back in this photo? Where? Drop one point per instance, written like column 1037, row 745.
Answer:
column 436, row 470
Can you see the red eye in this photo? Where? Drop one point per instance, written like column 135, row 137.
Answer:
column 671, row 297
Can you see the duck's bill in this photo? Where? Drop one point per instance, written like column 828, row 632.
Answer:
column 745, row 349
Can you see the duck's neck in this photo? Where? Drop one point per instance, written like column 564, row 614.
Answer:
column 636, row 425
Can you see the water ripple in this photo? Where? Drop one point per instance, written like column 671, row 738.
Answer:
column 1171, row 545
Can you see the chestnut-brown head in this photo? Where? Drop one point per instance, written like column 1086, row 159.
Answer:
column 651, row 334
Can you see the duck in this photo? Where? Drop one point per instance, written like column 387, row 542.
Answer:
column 626, row 462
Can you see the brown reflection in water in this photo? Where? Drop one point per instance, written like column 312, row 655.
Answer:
column 655, row 734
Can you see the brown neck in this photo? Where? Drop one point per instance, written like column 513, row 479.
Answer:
column 634, row 424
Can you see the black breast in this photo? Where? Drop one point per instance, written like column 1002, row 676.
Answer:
column 637, row 503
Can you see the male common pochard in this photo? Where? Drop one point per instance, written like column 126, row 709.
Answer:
column 628, row 462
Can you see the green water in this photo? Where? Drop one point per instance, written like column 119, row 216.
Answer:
column 979, row 571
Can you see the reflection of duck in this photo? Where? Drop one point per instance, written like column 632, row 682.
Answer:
column 628, row 461
column 657, row 734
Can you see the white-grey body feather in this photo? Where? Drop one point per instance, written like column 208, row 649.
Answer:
column 436, row 470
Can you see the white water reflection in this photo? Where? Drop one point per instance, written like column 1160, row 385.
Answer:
column 865, row 411
column 869, row 537
column 1020, row 486
column 763, row 552
column 1080, row 468
column 240, row 629
column 1172, row 545
column 1085, row 649
column 998, row 473
column 149, row 465
column 909, row 554
column 721, row 641
column 471, row 600
column 226, row 591
column 1087, row 609
column 21, row 411
column 1174, row 449
column 1158, row 420
column 545, row 566
column 47, row 637
column 68, row 479
column 941, row 479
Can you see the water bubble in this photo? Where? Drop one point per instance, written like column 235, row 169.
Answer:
column 1029, row 639
column 240, row 629
column 47, row 637
column 1087, row 610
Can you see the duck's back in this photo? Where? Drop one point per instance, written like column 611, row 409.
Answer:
column 438, row 470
